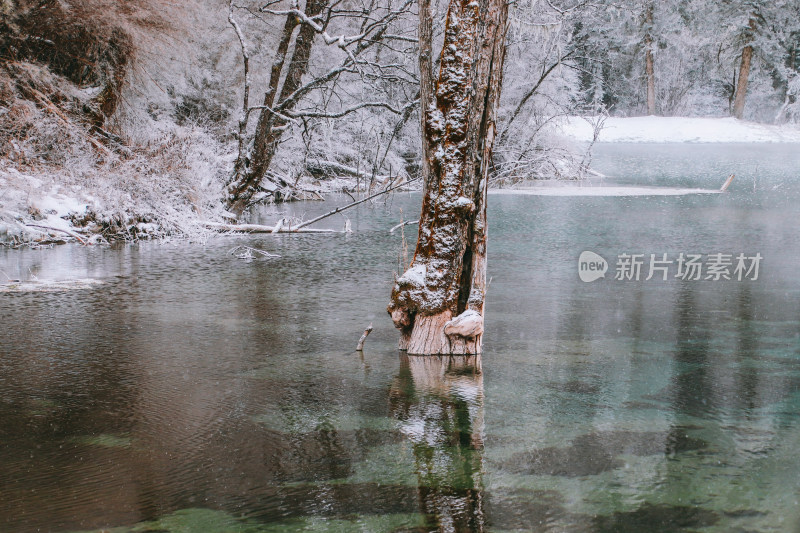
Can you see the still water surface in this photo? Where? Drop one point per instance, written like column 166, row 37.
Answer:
column 194, row 391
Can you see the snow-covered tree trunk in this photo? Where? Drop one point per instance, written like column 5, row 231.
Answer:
column 648, row 62
column 744, row 73
column 438, row 303
column 270, row 126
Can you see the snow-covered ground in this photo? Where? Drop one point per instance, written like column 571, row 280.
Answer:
column 680, row 130
column 28, row 205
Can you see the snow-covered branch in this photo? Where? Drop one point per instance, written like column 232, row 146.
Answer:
column 340, row 114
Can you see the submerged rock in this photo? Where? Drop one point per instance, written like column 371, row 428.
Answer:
column 662, row 518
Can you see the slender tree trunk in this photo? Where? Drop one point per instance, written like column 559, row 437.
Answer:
column 438, row 303
column 427, row 97
column 648, row 62
column 269, row 128
column 744, row 74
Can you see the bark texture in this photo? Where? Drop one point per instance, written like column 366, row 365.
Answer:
column 438, row 303
column 744, row 73
column 648, row 62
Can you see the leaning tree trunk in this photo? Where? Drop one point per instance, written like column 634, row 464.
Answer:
column 270, row 127
column 438, row 303
column 744, row 74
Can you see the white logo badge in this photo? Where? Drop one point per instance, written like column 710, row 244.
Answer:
column 591, row 266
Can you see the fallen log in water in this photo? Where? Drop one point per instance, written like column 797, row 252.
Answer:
column 282, row 225
column 68, row 232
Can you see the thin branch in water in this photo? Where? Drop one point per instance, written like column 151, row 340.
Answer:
column 406, row 223
column 363, row 338
column 340, row 209
column 248, row 253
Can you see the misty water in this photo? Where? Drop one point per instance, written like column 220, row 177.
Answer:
column 191, row 390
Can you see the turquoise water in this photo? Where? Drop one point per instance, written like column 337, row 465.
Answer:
column 194, row 391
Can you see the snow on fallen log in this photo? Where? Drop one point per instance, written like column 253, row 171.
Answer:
column 331, row 168
column 284, row 227
column 51, row 228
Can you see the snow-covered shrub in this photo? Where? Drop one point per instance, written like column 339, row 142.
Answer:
column 66, row 105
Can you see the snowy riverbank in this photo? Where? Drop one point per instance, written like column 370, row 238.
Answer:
column 52, row 207
column 680, row 130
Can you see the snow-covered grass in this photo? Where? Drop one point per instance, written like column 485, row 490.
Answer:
column 166, row 186
column 680, row 130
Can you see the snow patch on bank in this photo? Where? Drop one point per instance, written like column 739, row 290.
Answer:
column 602, row 191
column 25, row 199
column 679, row 130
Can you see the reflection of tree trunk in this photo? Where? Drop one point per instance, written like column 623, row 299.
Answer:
column 693, row 390
column 270, row 126
column 447, row 277
column 648, row 61
column 439, row 403
column 744, row 73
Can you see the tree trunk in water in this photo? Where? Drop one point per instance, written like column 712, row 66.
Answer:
column 438, row 303
column 648, row 63
column 744, row 74
column 269, row 128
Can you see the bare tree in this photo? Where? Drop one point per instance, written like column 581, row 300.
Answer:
column 549, row 47
column 438, row 302
column 289, row 83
